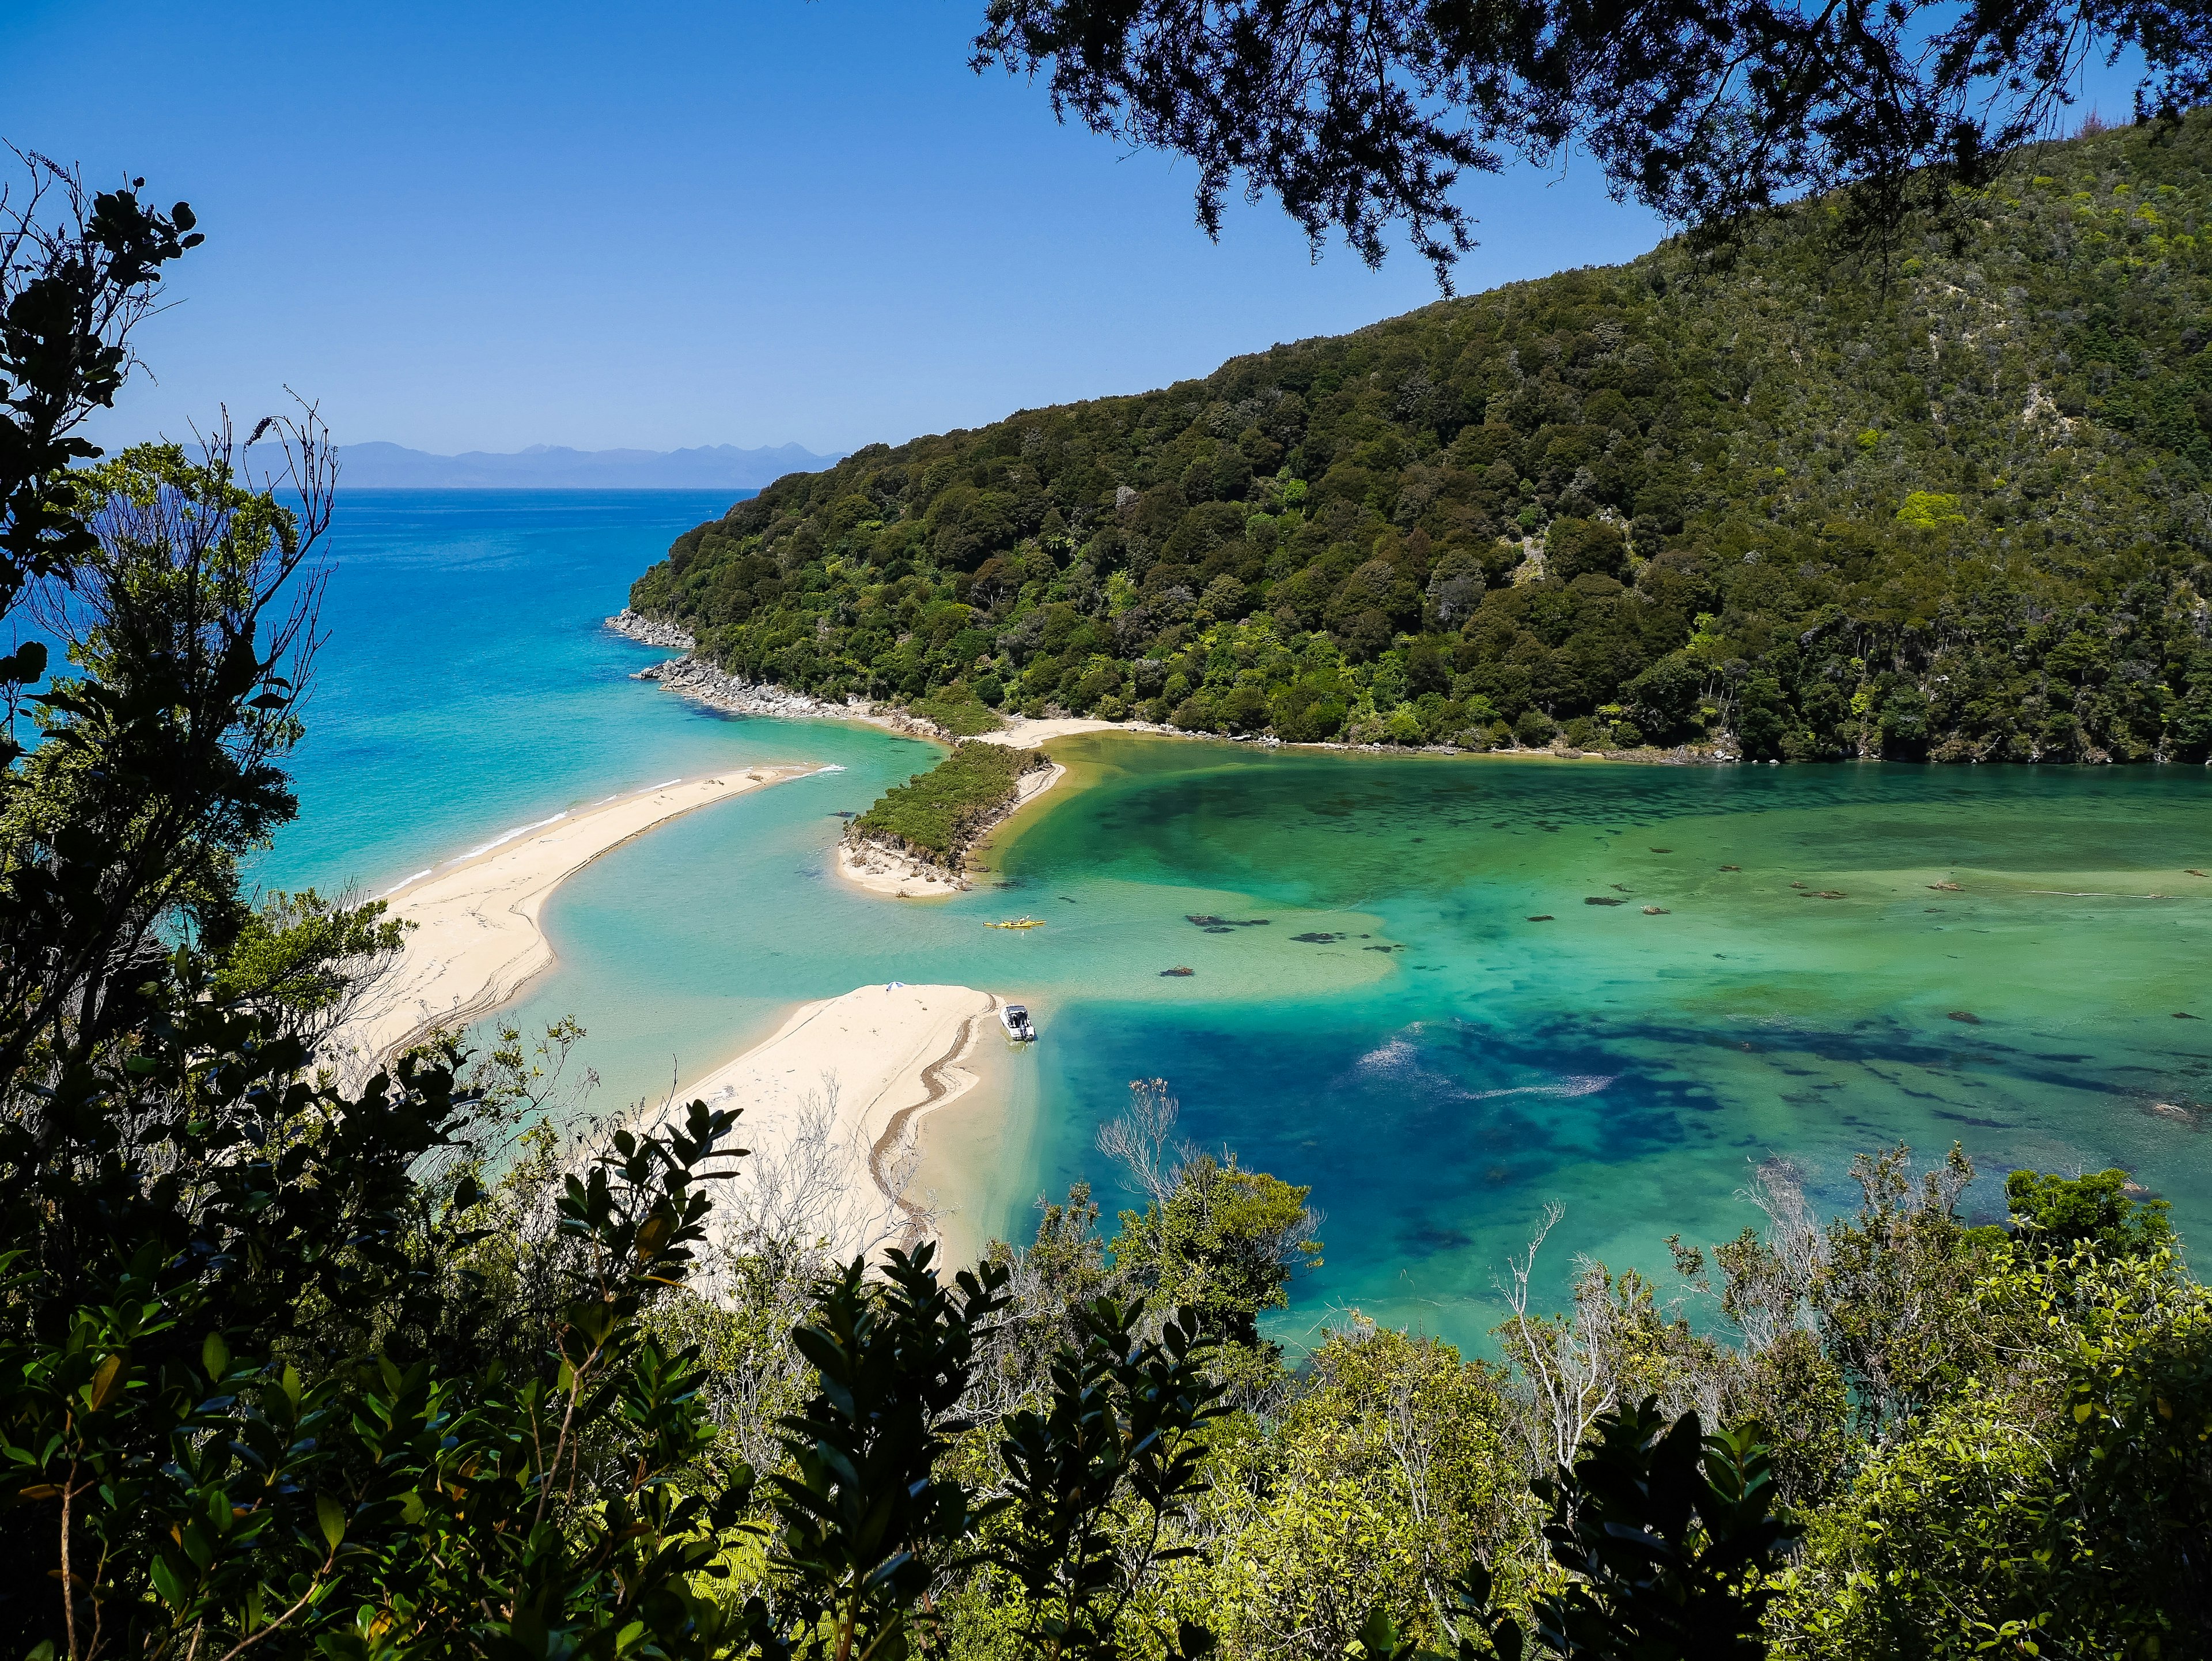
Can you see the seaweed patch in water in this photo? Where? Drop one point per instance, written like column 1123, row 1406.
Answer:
column 1222, row 925
column 1317, row 938
column 1603, row 899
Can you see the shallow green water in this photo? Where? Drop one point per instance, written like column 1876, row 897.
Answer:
column 1444, row 1066
column 1435, row 1094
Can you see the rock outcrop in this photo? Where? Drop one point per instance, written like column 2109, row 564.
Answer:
column 651, row 631
column 702, row 683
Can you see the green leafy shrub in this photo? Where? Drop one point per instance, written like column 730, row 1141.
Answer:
column 938, row 814
column 960, row 712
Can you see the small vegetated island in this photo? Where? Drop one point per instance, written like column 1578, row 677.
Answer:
column 936, row 817
column 1787, row 498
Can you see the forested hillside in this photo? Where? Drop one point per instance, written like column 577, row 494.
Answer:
column 1950, row 503
column 448, row 1367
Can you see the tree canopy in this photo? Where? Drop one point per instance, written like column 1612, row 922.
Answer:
column 1361, row 117
column 1767, row 498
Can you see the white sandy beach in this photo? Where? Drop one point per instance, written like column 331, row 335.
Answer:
column 832, row 1103
column 895, row 875
column 475, row 941
column 1021, row 732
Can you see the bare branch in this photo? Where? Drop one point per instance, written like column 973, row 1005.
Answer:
column 1143, row 1140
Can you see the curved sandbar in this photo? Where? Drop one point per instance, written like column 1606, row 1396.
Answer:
column 475, row 941
column 831, row 1103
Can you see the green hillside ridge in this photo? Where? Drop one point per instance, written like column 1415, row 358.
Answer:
column 1780, row 499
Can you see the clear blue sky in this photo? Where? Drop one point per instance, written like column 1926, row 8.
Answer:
column 478, row 224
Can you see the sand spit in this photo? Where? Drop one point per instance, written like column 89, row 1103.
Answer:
column 893, row 875
column 832, row 1102
column 476, row 942
column 1021, row 732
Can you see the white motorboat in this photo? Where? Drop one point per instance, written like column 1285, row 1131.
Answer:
column 1016, row 1018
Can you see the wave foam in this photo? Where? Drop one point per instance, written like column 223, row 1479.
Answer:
column 1395, row 1055
column 507, row 837
column 1575, row 1084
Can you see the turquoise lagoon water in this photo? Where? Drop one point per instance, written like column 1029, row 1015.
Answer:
column 1435, row 1065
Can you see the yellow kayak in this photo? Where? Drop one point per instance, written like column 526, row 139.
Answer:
column 1019, row 923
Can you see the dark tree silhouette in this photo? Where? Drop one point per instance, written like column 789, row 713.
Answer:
column 1362, row 114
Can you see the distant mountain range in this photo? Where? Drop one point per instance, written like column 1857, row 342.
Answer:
column 556, row 467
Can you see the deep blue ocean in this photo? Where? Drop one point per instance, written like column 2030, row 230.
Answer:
column 466, row 681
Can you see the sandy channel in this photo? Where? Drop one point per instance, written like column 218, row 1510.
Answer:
column 832, row 1104
column 477, row 941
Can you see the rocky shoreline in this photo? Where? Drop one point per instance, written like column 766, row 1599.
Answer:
column 702, row 682
column 651, row 631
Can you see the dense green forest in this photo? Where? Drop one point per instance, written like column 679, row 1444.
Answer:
column 438, row 1367
column 936, row 815
column 1784, row 494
